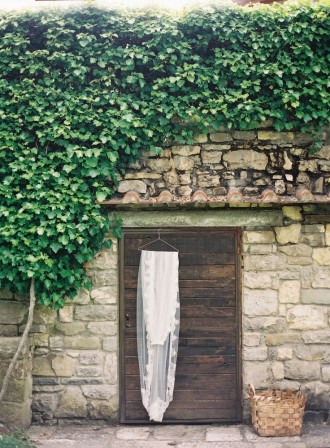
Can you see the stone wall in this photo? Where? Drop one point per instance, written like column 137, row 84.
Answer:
column 252, row 162
column 285, row 303
column 75, row 367
column 15, row 410
column 286, row 307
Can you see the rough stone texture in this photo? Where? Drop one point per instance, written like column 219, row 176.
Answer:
column 289, row 291
column 132, row 185
column 245, row 159
column 285, row 280
column 72, row 403
column 260, row 303
column 289, row 234
column 322, row 256
column 306, row 317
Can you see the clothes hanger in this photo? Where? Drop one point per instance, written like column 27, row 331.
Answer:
column 159, row 239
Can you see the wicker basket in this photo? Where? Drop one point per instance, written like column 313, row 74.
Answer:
column 277, row 413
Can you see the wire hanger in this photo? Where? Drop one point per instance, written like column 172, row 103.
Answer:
column 159, row 239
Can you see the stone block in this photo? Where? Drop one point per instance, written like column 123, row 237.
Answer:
column 110, row 344
column 72, row 404
column 184, row 190
column 91, row 358
column 317, row 296
column 143, row 176
column 316, row 337
column 132, row 185
column 99, row 392
column 299, row 261
column 307, row 317
column 103, row 260
column 95, row 312
column 207, row 180
column 255, row 353
column 70, row 329
column 302, row 370
column 275, row 339
column 12, row 312
column 276, row 137
column 185, row 179
column 219, row 137
column 103, row 328
column 289, row 291
column 66, row 314
column 278, row 370
column 259, row 237
column 82, row 342
column 111, row 368
column 251, row 339
column 8, row 346
column 312, row 239
column 46, row 404
column 313, row 228
column 186, row 150
column 16, row 414
column 321, row 256
column 82, row 297
column 245, row 159
column 100, row 409
column 160, row 165
column 89, row 371
column 264, row 324
column 260, row 280
column 105, row 295
column 183, row 163
column 312, row 352
column 230, row 434
column 260, row 302
column 257, row 373
column 42, row 366
column 321, row 277
column 101, row 278
column 211, row 157
column 63, row 365
column 308, row 165
column 326, row 374
column 327, row 235
column 200, row 138
column 43, row 315
column 284, row 353
column 288, row 234
column 216, row 147
column 297, row 250
column 262, row 249
column 18, row 391
column 8, row 330
column 39, row 340
column 270, row 262
column 244, row 135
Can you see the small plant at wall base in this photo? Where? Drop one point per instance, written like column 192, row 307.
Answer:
column 84, row 92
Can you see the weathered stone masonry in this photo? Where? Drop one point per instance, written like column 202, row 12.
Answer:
column 285, row 284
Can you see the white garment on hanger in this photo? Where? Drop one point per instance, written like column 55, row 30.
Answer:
column 158, row 321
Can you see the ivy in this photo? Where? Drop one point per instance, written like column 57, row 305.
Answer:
column 84, row 91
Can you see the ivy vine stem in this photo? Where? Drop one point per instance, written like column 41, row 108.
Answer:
column 22, row 342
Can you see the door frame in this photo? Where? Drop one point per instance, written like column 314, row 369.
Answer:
column 238, row 267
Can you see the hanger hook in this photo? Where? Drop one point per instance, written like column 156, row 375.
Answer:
column 159, row 234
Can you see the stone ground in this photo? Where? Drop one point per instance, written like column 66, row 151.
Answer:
column 179, row 436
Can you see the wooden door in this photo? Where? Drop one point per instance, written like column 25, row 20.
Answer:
column 208, row 377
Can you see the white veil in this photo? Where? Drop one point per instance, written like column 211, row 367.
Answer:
column 158, row 320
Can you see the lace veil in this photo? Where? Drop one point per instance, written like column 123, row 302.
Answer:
column 158, row 320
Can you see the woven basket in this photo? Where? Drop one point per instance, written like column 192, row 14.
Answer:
column 277, row 413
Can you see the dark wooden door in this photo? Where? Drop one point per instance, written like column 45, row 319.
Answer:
column 208, row 378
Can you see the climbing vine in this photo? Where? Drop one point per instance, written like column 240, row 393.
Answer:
column 83, row 92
